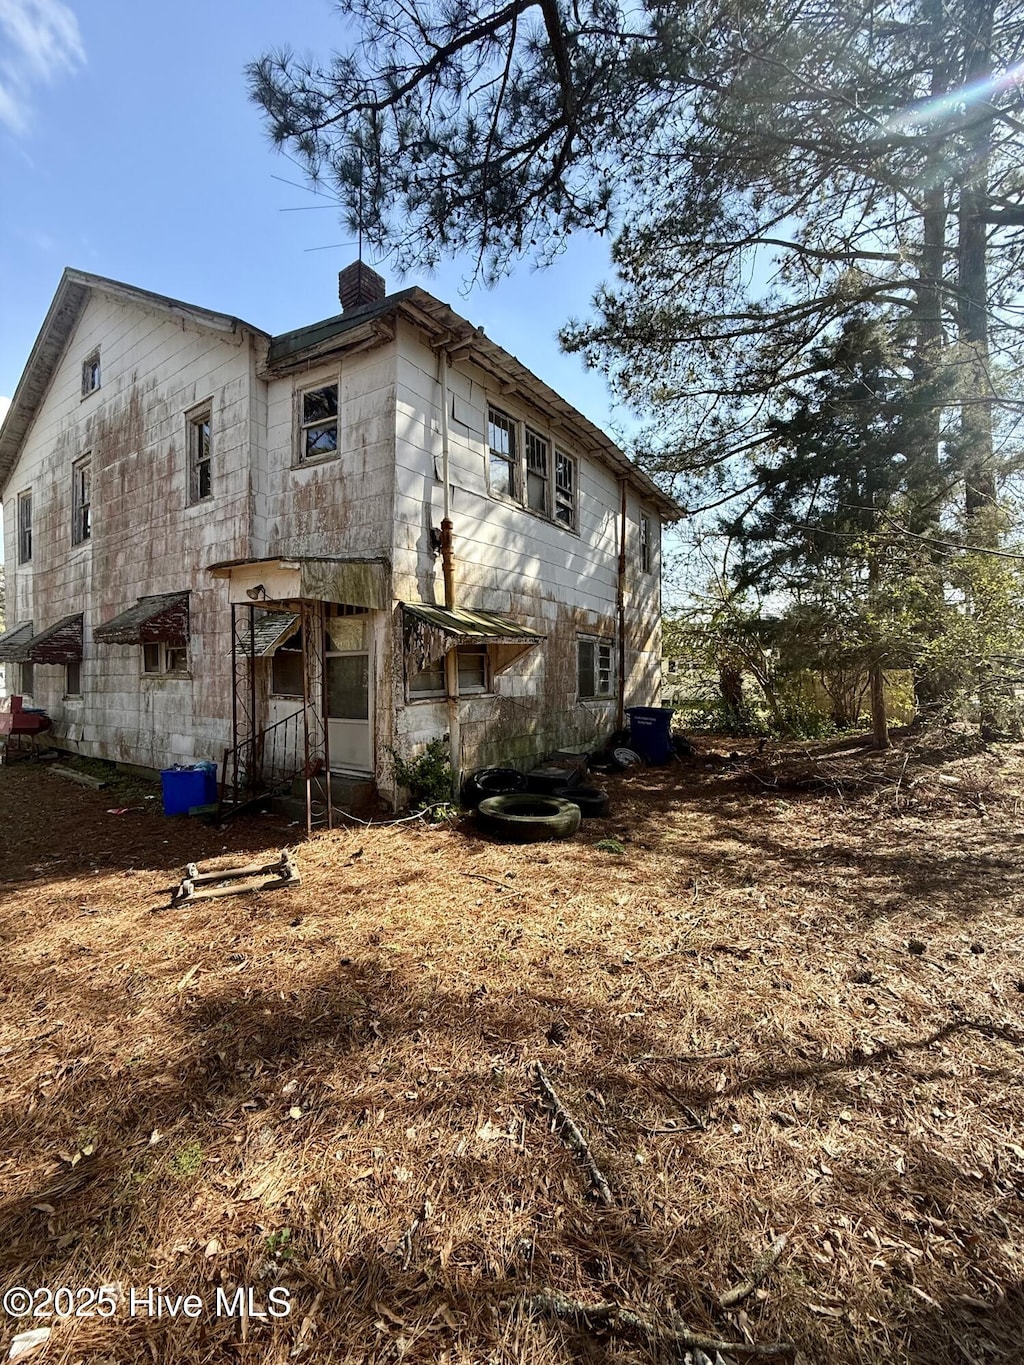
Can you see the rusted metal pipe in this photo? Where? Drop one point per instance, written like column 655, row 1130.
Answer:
column 451, row 658
column 620, row 602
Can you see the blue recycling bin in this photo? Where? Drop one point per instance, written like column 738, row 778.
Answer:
column 184, row 788
column 650, row 732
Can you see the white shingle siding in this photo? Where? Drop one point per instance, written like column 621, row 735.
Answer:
column 379, row 497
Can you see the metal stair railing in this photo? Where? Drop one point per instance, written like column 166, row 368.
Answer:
column 264, row 764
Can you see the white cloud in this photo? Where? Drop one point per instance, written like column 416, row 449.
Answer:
column 40, row 40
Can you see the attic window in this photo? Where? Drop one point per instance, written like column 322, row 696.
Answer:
column 91, row 373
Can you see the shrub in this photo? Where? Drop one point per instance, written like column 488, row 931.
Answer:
column 427, row 777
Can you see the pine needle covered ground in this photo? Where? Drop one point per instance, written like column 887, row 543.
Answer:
column 793, row 1005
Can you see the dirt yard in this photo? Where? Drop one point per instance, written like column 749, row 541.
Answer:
column 792, row 1005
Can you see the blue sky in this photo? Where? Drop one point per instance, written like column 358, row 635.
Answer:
column 128, row 148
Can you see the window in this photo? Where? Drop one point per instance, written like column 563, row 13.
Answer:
column 504, row 457
column 474, row 674
column 81, row 496
column 27, row 679
column 524, row 467
column 645, row 543
column 286, row 673
column 200, row 482
column 595, row 668
column 91, row 373
column 24, row 527
column 565, row 490
column 73, row 679
column 472, row 669
column 318, row 422
column 537, row 457
column 159, row 659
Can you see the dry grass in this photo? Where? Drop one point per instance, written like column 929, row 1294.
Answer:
column 330, row 1088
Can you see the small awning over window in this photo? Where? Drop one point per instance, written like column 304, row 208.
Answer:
column 270, row 630
column 12, row 642
column 156, row 620
column 431, row 631
column 60, row 643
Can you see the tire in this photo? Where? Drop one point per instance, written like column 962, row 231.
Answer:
column 549, row 778
column 593, row 802
column 491, row 782
column 526, row 818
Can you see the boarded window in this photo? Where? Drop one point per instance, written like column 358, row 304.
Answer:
column 73, row 679
column 28, row 679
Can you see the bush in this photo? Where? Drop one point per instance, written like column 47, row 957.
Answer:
column 428, row 777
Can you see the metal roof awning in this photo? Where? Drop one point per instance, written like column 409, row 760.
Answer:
column 162, row 619
column 13, row 640
column 270, row 630
column 60, row 643
column 431, row 631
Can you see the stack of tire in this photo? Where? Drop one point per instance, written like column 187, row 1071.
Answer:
column 565, row 782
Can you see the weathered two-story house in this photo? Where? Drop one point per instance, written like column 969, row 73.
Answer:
column 316, row 550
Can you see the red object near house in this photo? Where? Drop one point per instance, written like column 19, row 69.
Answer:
column 16, row 719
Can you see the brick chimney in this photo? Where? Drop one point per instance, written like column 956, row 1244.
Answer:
column 358, row 285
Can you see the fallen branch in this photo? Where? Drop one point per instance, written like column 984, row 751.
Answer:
column 570, row 1132
column 624, row 1320
column 761, row 1267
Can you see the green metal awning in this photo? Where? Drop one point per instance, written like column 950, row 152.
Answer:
column 431, row 631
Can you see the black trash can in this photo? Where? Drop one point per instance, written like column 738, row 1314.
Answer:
column 650, row 732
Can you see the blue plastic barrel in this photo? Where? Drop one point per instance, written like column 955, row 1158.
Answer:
column 650, row 732
column 185, row 787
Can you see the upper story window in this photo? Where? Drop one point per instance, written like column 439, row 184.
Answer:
column 24, row 527
column 91, row 373
column 538, row 460
column 565, row 490
column 595, row 670
column 504, row 456
column 318, row 423
column 81, row 499
column 645, row 542
column 524, row 466
column 200, row 474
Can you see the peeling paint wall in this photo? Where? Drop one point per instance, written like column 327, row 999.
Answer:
column 513, row 562
column 378, row 497
column 144, row 539
column 340, row 506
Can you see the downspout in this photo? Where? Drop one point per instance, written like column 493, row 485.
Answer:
column 451, row 657
column 620, row 602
